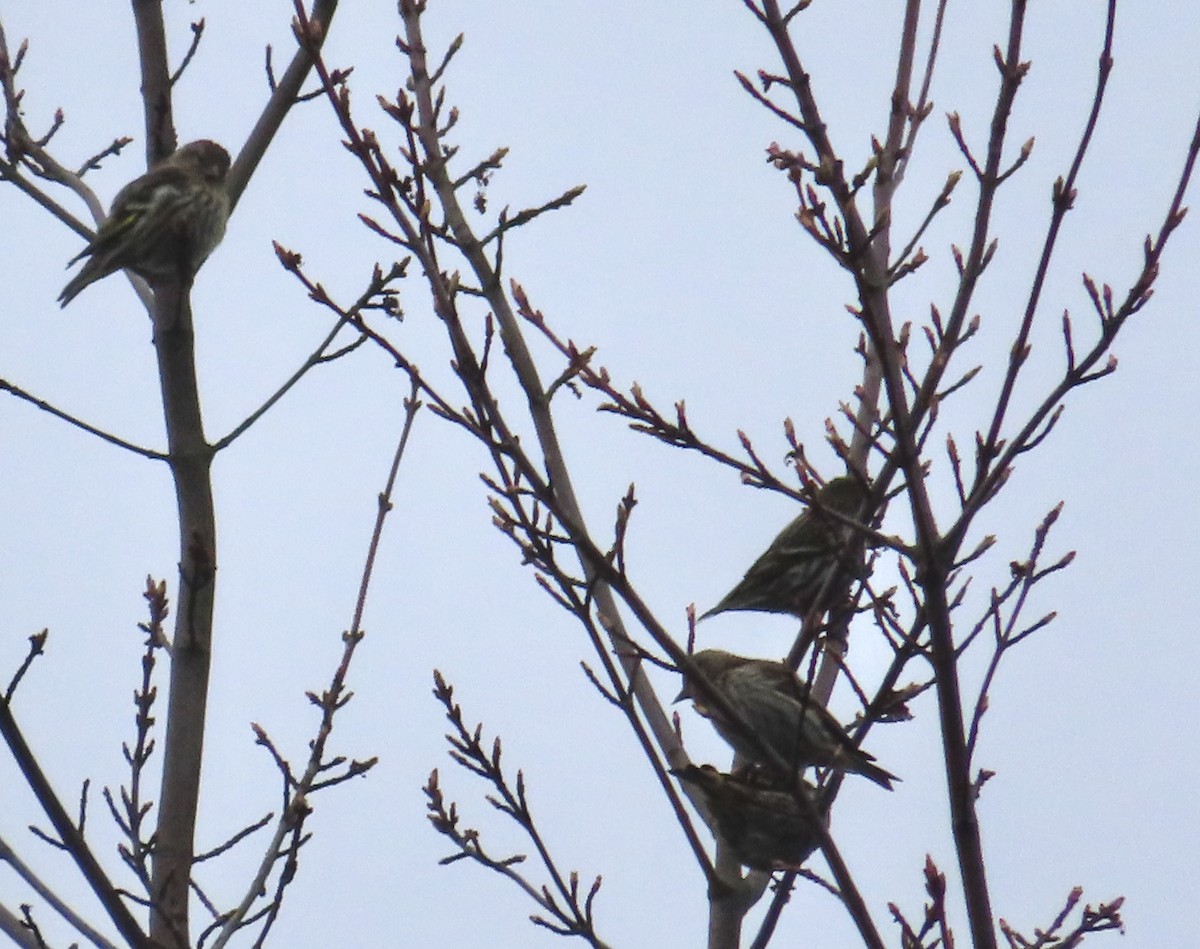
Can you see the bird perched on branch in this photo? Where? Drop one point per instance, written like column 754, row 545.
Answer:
column 766, row 828
column 790, row 575
column 164, row 223
column 780, row 711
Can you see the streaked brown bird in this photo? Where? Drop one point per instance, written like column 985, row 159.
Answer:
column 780, row 710
column 765, row 828
column 789, row 576
column 164, row 223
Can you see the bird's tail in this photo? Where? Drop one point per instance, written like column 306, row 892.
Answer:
column 74, row 286
column 873, row 772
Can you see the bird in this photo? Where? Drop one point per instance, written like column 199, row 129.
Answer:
column 164, row 223
column 765, row 827
column 780, row 711
column 790, row 575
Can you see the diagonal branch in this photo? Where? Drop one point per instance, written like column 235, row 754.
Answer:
column 73, row 841
column 6, row 386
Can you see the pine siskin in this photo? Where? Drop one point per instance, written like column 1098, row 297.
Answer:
column 789, row 576
column 765, row 828
column 779, row 709
column 164, row 223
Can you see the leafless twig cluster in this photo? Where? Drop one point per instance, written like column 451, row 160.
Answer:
column 891, row 438
column 885, row 437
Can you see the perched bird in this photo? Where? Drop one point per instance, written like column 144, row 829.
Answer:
column 780, row 711
column 765, row 828
column 162, row 224
column 789, row 576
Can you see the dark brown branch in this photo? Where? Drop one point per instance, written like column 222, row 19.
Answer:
column 1064, row 193
column 7, row 855
column 297, row 790
column 378, row 294
column 282, row 98
column 197, row 34
column 68, row 833
column 37, row 646
column 190, row 459
column 6, row 386
column 468, row 751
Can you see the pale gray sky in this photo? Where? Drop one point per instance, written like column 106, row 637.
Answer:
column 683, row 263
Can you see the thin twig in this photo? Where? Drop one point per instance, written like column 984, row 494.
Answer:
column 6, row 386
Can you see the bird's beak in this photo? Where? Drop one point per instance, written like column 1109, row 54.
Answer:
column 687, row 693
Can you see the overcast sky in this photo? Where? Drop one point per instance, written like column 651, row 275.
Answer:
column 684, row 264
